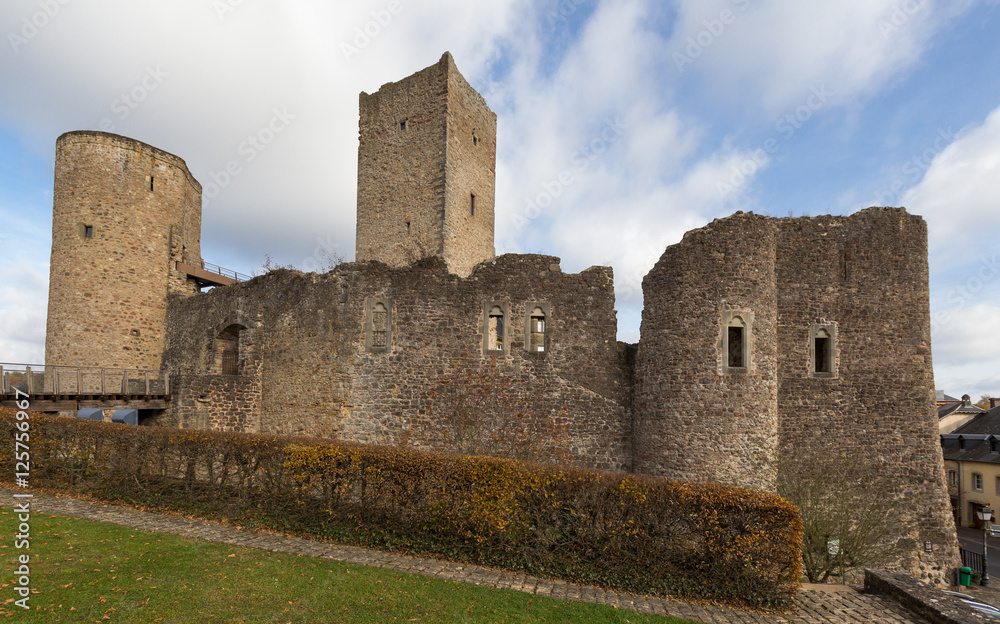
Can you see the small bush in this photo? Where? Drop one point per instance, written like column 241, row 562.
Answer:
column 627, row 532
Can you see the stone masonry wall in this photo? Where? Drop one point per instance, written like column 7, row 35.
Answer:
column 401, row 171
column 426, row 144
column 470, row 170
column 866, row 276
column 318, row 374
column 695, row 418
column 108, row 292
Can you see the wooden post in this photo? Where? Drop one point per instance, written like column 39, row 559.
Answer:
column 55, row 387
column 102, row 382
column 3, row 381
column 31, row 382
column 146, row 373
column 79, row 381
column 166, row 383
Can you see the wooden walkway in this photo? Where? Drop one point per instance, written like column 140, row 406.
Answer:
column 67, row 388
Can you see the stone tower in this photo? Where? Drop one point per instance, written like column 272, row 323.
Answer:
column 123, row 213
column 426, row 171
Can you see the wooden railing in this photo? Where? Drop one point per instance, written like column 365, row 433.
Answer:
column 75, row 381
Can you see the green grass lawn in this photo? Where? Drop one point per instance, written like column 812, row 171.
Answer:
column 84, row 571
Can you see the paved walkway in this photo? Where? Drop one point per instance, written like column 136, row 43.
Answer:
column 813, row 605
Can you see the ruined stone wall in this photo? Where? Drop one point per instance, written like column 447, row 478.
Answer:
column 319, row 373
column 696, row 418
column 865, row 276
column 108, row 285
column 401, row 168
column 426, row 144
column 470, row 171
column 296, row 347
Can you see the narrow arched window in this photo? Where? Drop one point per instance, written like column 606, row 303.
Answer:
column 378, row 326
column 822, row 352
column 537, row 327
column 496, row 336
column 495, row 328
column 227, row 351
column 823, row 349
column 736, row 343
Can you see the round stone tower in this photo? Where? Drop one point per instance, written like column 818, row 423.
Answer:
column 123, row 214
column 706, row 369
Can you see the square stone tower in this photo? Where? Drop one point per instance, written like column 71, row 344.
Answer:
column 427, row 171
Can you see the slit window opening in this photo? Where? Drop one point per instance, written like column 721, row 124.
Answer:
column 380, row 324
column 88, row 231
column 472, row 205
column 823, row 362
column 537, row 337
column 496, row 329
column 736, row 338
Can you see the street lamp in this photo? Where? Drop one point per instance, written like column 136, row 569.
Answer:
column 985, row 514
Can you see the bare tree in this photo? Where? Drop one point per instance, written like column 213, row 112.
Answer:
column 846, row 510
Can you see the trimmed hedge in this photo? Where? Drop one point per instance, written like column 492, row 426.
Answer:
column 628, row 532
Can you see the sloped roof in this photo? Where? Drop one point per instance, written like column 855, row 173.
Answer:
column 986, row 423
column 941, row 397
column 979, row 436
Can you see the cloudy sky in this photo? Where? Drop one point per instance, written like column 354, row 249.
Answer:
column 621, row 125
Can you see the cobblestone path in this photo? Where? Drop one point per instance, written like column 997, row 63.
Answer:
column 813, row 605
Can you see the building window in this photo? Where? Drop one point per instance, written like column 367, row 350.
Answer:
column 495, row 328
column 977, row 482
column 227, row 351
column 378, row 326
column 475, row 138
column 823, row 350
column 994, row 445
column 953, row 477
column 736, row 327
column 88, row 231
column 998, row 485
column 472, row 205
column 402, row 125
column 150, row 184
column 538, row 314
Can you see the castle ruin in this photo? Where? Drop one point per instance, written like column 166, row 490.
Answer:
column 757, row 333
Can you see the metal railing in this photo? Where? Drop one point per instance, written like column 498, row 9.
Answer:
column 57, row 380
column 214, row 268
column 972, row 560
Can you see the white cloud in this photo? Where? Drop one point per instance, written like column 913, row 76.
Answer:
column 772, row 52
column 959, row 196
column 23, row 301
